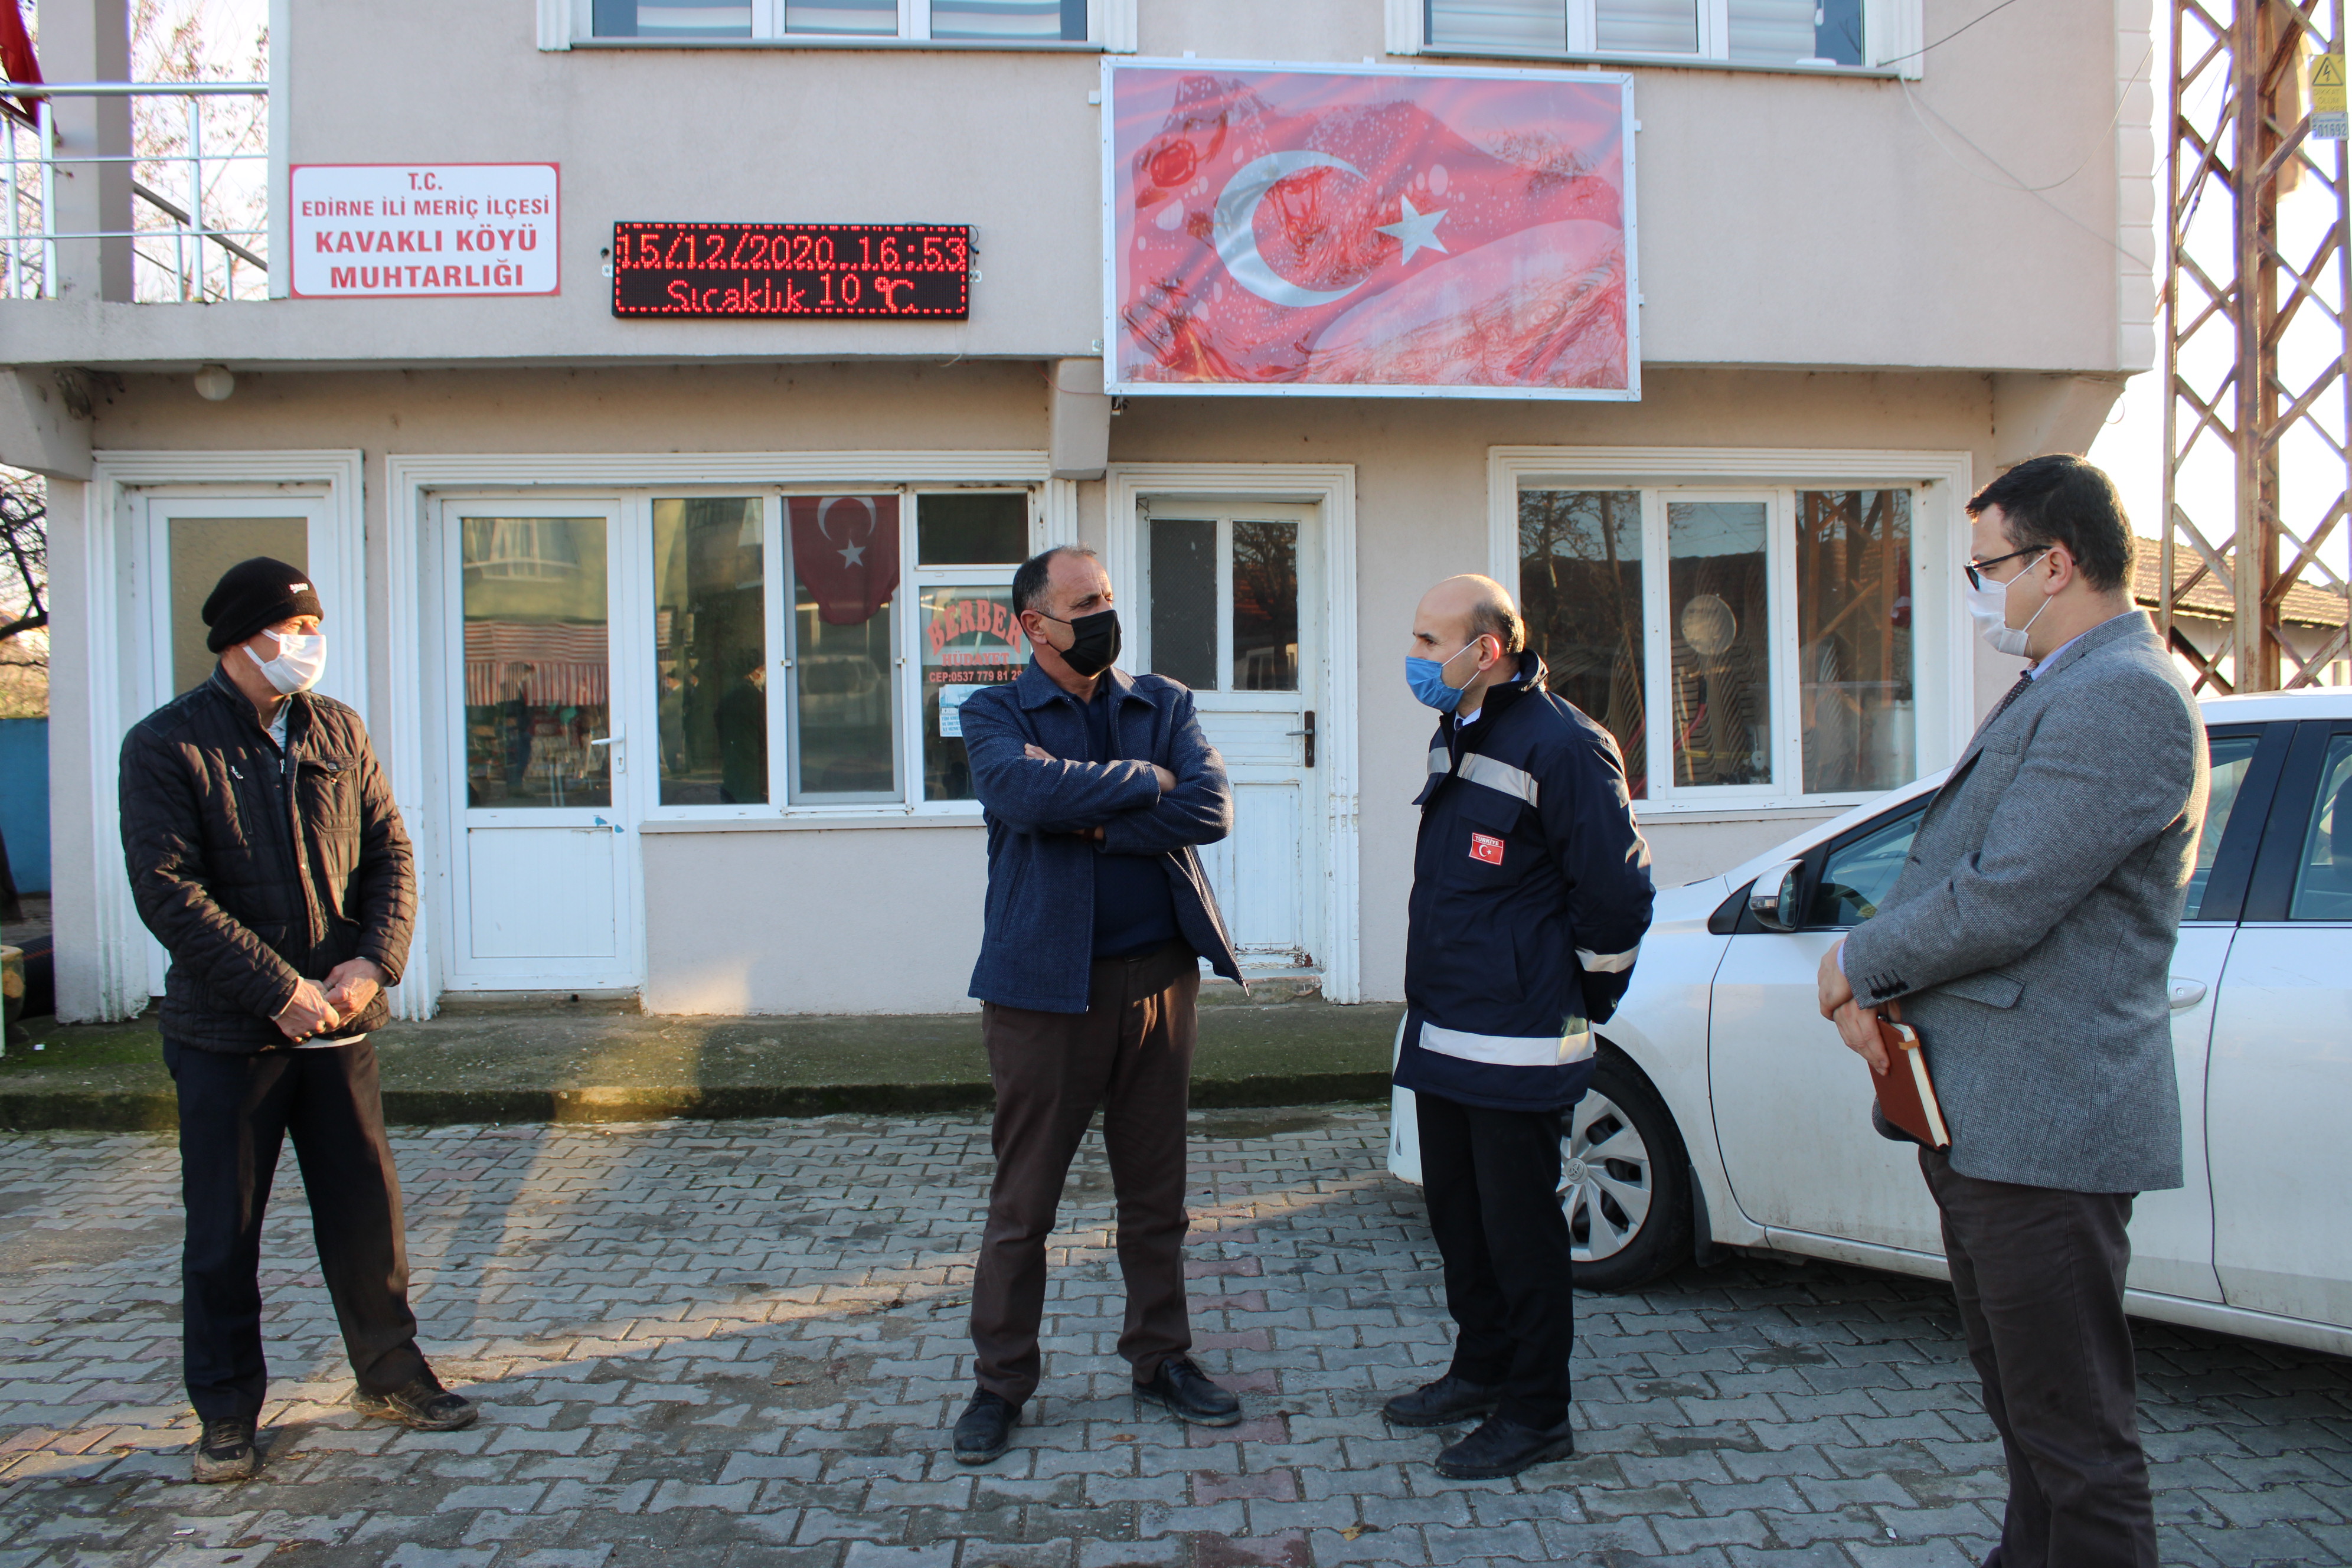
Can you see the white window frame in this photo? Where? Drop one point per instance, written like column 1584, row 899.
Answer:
column 1111, row 28
column 1891, row 34
column 1942, row 650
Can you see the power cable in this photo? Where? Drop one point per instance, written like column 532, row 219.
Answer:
column 1947, row 37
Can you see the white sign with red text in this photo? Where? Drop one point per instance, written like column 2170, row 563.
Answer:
column 378, row 230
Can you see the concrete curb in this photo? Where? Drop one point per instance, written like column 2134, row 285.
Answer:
column 135, row 1110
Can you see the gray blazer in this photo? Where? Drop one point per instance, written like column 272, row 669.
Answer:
column 2031, row 935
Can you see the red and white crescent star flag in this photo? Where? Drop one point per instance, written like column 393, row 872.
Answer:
column 1369, row 230
column 16, row 62
column 846, row 548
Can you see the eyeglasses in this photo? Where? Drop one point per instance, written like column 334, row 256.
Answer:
column 1975, row 569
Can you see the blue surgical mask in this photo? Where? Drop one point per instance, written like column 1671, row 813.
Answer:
column 1427, row 678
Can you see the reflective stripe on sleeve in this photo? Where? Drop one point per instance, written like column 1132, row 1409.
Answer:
column 1509, row 1050
column 1607, row 962
column 1481, row 769
column 1440, row 759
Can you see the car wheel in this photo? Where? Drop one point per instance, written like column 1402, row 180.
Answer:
column 1625, row 1181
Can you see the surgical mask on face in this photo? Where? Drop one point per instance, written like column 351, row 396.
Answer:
column 1427, row 678
column 1094, row 642
column 302, row 659
column 1989, row 607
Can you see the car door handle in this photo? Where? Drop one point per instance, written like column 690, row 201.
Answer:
column 2185, row 993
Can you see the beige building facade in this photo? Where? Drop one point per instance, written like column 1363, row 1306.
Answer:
column 580, row 569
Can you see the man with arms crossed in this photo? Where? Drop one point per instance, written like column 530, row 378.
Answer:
column 1097, row 786
column 1531, row 893
column 2029, row 939
column 265, row 855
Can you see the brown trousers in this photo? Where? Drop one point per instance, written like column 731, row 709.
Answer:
column 1130, row 1053
column 2039, row 1275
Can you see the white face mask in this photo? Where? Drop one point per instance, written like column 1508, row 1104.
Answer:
column 300, row 660
column 1989, row 607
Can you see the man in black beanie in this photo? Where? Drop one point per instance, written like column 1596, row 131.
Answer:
column 267, row 857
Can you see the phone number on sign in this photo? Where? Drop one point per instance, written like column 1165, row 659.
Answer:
column 791, row 270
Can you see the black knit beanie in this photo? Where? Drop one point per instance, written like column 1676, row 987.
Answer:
column 254, row 595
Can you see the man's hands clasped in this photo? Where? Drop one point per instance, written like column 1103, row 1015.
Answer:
column 347, row 989
column 1856, row 1026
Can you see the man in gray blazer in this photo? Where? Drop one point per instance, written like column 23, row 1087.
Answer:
column 2029, row 939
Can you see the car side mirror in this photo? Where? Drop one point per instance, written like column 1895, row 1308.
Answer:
column 1773, row 899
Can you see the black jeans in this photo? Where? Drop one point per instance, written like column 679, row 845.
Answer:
column 2039, row 1275
column 1492, row 1179
column 235, row 1113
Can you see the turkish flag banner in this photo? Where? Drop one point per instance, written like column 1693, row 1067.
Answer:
column 1350, row 232
column 846, row 548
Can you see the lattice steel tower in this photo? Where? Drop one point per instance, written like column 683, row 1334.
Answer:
column 2258, row 419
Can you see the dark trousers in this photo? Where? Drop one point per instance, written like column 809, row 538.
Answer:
column 1492, row 1180
column 2040, row 1278
column 235, row 1113
column 1130, row 1053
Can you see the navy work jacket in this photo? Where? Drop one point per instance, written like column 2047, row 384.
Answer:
column 1530, row 896
column 1038, row 949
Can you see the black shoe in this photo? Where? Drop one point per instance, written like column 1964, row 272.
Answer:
column 225, row 1451
column 984, row 1430
column 1501, row 1448
column 1189, row 1395
column 424, row 1405
column 1442, row 1404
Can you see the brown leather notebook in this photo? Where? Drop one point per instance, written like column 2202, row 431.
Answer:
column 1906, row 1094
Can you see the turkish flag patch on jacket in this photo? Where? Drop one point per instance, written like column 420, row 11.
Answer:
column 1488, row 847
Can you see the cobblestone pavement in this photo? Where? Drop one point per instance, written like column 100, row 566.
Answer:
column 738, row 1343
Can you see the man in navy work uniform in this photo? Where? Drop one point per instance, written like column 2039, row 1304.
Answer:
column 265, row 855
column 1531, row 893
column 1097, row 786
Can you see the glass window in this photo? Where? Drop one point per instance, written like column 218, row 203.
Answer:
column 1855, row 710
column 850, row 18
column 2323, row 883
column 1857, row 876
column 673, row 18
column 2231, row 756
column 1581, row 590
column 1265, row 606
column 1499, row 23
column 1184, row 601
column 538, row 665
column 710, row 651
column 971, row 640
column 1796, row 32
column 1008, row 19
column 201, row 548
column 1720, row 689
column 845, row 560
column 1646, row 26
column 968, row 529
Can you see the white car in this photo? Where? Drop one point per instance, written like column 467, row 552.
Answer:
column 1725, row 1113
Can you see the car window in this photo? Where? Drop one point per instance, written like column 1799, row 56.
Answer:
column 1862, row 871
column 2233, row 756
column 2322, row 878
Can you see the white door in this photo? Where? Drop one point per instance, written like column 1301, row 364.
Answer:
column 2282, row 1075
column 544, row 865
column 184, row 541
column 1232, row 603
column 1793, row 1104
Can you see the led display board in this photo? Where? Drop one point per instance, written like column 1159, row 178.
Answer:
column 907, row 269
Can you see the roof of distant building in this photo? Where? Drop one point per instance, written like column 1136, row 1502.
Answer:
column 2306, row 605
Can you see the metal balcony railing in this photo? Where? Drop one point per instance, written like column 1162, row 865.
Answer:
column 197, row 219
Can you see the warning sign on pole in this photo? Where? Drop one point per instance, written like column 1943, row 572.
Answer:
column 2328, row 116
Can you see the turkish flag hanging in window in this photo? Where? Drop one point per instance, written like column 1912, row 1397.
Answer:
column 1330, row 229
column 846, row 548
column 16, row 60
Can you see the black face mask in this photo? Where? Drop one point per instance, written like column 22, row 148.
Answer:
column 1095, row 648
